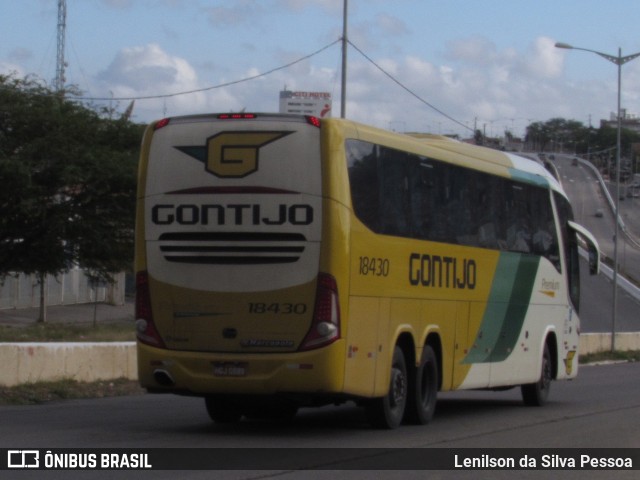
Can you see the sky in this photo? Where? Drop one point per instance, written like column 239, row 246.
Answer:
column 439, row 66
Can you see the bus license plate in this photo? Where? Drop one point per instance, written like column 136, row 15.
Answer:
column 229, row 369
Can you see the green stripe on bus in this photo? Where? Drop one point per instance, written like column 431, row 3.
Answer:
column 517, row 309
column 528, row 177
column 506, row 308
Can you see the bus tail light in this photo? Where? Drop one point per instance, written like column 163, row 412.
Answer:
column 311, row 120
column 145, row 328
column 161, row 123
column 237, row 116
column 325, row 326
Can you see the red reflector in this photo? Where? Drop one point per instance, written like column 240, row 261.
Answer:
column 161, row 123
column 236, row 116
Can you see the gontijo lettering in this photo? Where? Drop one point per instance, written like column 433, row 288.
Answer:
column 231, row 214
column 442, row 272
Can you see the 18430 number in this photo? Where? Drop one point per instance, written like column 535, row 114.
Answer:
column 374, row 266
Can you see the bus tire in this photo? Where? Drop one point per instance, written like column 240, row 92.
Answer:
column 536, row 394
column 423, row 390
column 387, row 412
column 222, row 409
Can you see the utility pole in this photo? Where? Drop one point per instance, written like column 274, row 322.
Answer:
column 60, row 63
column 58, row 85
column 343, row 102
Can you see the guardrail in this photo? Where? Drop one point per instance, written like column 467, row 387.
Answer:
column 610, row 200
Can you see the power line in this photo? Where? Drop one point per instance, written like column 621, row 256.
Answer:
column 407, row 89
column 268, row 72
column 222, row 85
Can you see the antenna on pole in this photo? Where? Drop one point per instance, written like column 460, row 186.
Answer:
column 60, row 63
column 343, row 101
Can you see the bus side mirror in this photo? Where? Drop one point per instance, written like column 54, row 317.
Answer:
column 593, row 251
column 594, row 260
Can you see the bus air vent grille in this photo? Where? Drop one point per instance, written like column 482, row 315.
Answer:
column 232, row 248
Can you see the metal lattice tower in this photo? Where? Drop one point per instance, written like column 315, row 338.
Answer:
column 60, row 63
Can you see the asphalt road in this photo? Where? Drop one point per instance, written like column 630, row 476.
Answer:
column 587, row 198
column 601, row 408
column 596, row 305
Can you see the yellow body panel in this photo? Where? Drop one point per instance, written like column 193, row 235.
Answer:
column 313, row 372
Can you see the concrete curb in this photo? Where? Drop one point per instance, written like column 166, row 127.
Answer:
column 85, row 362
column 601, row 342
column 34, row 362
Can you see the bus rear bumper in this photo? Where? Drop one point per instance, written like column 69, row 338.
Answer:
column 318, row 371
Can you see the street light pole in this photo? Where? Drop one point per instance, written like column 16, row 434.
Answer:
column 619, row 61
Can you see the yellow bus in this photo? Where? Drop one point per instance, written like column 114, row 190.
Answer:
column 286, row 261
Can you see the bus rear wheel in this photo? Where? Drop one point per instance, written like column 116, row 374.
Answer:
column 536, row 394
column 387, row 412
column 423, row 391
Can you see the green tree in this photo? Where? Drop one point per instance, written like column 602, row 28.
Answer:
column 68, row 177
column 571, row 134
column 537, row 136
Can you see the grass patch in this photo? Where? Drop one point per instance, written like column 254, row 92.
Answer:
column 66, row 389
column 627, row 356
column 64, row 332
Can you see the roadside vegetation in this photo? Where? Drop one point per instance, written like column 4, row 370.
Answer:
column 66, row 389
column 628, row 356
column 76, row 332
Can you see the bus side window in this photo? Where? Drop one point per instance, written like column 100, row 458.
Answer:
column 393, row 189
column 362, row 161
column 407, row 195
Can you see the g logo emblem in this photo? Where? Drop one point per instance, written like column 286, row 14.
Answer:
column 236, row 154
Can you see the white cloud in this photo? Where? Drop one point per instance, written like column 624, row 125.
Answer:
column 8, row 68
column 543, row 59
column 150, row 71
column 478, row 83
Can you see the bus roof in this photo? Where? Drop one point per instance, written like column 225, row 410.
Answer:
column 473, row 156
column 439, row 147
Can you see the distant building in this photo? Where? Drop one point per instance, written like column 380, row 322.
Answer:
column 627, row 120
column 317, row 104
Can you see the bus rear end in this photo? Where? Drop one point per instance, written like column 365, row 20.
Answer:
column 231, row 302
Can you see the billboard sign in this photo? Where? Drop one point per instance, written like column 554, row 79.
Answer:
column 306, row 103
